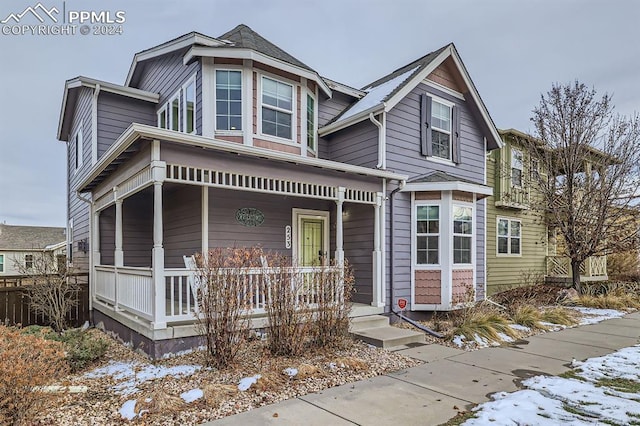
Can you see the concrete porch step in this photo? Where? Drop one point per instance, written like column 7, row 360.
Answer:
column 369, row 321
column 387, row 336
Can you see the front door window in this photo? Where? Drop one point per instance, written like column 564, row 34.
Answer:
column 312, row 250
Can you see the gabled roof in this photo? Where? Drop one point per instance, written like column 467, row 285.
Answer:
column 245, row 38
column 71, row 92
column 14, row 237
column 385, row 93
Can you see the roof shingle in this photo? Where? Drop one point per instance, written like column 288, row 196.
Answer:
column 14, row 237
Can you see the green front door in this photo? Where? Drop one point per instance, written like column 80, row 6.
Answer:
column 312, row 241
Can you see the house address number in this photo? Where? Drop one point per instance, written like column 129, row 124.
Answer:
column 249, row 216
column 287, row 236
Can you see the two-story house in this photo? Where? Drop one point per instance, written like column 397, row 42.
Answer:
column 23, row 249
column 523, row 247
column 230, row 141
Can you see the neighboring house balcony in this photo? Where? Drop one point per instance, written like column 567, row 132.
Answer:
column 593, row 268
column 160, row 195
column 513, row 198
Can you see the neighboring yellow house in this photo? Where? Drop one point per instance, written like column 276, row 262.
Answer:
column 521, row 249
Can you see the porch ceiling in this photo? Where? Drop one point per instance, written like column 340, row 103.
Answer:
column 130, row 142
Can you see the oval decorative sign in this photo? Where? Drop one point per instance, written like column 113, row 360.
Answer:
column 249, row 216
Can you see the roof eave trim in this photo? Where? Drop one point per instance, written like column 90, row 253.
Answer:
column 136, row 131
column 341, row 124
column 243, row 53
column 177, row 44
column 416, row 79
column 104, row 86
column 474, row 188
column 343, row 88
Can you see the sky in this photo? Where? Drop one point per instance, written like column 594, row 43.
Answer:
column 513, row 50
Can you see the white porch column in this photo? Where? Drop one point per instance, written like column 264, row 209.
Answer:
column 118, row 253
column 378, row 293
column 158, row 172
column 95, row 258
column 339, row 256
column 205, row 220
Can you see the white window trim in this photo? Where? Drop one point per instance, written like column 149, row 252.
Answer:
column 450, row 105
column 78, row 141
column 414, row 234
column 455, row 266
column 314, row 150
column 296, row 216
column 243, row 97
column 25, row 261
column 191, row 80
column 3, row 267
column 294, row 106
column 170, row 111
column 509, row 220
column 166, row 117
column 521, row 166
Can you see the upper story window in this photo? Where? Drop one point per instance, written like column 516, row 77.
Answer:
column 427, row 235
column 1, row 262
column 509, row 239
column 228, row 100
column 516, row 167
column 441, row 118
column 311, row 127
column 28, row 261
column 277, row 108
column 78, row 146
column 179, row 113
column 189, row 106
column 462, row 234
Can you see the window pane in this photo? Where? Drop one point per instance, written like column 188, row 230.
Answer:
column 421, row 243
column 461, row 249
column 433, row 212
column 432, row 243
column 433, row 227
column 268, row 128
column 515, row 228
column 422, row 212
column 432, row 257
column 440, row 116
column 440, row 144
column 516, row 177
column 269, row 115
column 190, row 104
column 503, row 243
column 422, row 227
column 163, row 119
column 503, row 227
column 421, row 257
column 175, row 114
column 461, row 213
column 515, row 246
column 516, row 159
column 311, row 137
column 228, row 100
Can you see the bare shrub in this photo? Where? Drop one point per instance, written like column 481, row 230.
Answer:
column 224, row 295
column 26, row 362
column 333, row 304
column 54, row 292
column 288, row 309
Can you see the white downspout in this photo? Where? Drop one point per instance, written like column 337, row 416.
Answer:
column 91, row 274
column 382, row 132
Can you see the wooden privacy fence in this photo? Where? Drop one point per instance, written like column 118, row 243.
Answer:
column 15, row 307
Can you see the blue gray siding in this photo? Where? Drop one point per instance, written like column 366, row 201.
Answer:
column 182, row 222
column 77, row 209
column 403, row 156
column 358, row 248
column 327, row 110
column 116, row 113
column 357, row 145
column 165, row 75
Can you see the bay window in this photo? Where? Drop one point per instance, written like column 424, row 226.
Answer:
column 277, row 108
column 462, row 234
column 427, row 235
column 228, row 100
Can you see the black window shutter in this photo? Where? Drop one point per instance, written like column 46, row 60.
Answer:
column 425, row 118
column 455, row 135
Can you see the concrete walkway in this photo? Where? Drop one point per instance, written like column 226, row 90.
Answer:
column 448, row 381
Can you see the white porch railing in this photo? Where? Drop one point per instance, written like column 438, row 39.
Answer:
column 131, row 289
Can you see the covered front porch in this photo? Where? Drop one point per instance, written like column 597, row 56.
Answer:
column 147, row 217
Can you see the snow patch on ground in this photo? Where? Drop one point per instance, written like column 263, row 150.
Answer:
column 291, row 372
column 128, row 410
column 247, row 382
column 519, row 327
column 546, row 399
column 506, row 338
column 192, row 395
column 593, row 315
column 130, row 375
column 458, row 340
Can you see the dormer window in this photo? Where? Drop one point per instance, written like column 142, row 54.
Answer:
column 228, row 100
column 277, row 108
column 179, row 113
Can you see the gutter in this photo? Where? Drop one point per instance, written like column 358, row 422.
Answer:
column 382, row 141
